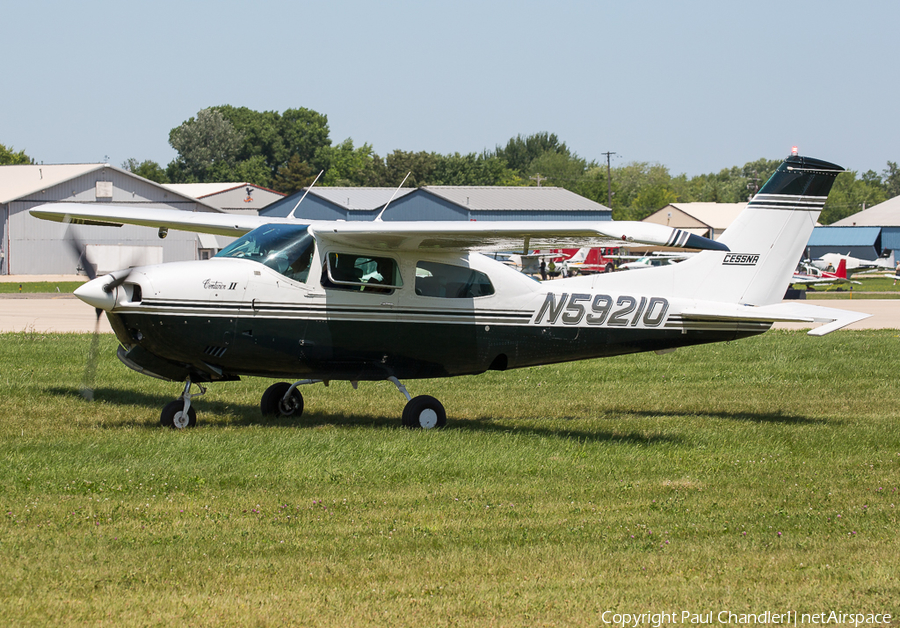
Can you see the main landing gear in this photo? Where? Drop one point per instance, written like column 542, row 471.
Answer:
column 285, row 400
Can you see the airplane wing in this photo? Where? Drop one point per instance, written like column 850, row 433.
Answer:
column 392, row 235
column 118, row 215
column 506, row 235
column 778, row 312
column 806, row 280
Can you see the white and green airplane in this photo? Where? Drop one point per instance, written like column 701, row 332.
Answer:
column 309, row 302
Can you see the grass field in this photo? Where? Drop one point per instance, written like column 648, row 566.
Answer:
column 42, row 287
column 760, row 475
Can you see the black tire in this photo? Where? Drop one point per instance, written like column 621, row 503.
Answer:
column 274, row 404
column 424, row 412
column 171, row 415
column 608, row 269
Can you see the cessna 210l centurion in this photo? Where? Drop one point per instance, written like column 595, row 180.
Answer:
column 321, row 301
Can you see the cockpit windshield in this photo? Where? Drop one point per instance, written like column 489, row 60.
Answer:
column 286, row 249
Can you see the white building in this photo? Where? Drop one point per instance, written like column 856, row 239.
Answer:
column 234, row 198
column 704, row 219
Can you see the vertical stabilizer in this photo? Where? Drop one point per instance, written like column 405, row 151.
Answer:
column 767, row 239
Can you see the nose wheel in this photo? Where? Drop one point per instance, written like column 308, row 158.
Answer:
column 179, row 414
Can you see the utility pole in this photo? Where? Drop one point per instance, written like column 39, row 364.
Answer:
column 537, row 177
column 608, row 180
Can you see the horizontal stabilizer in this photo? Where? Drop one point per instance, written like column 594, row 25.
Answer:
column 777, row 313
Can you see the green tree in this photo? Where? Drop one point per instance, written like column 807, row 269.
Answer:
column 520, row 151
column 892, row 180
column 850, row 195
column 345, row 165
column 390, row 171
column 560, row 168
column 277, row 137
column 8, row 157
column 471, row 169
column 207, row 146
column 253, row 170
column 638, row 187
column 147, row 169
column 295, row 176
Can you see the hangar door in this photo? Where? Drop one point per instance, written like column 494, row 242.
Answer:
column 109, row 257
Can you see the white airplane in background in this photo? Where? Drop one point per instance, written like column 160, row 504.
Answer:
column 651, row 261
column 322, row 301
column 831, row 261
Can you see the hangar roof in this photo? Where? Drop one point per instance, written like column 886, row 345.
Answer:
column 22, row 180
column 19, row 181
column 202, row 190
column 844, row 236
column 359, row 198
column 470, row 198
column 886, row 214
column 510, row 198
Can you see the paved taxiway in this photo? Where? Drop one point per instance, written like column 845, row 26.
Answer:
column 64, row 313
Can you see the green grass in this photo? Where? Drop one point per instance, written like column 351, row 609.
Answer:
column 757, row 475
column 32, row 287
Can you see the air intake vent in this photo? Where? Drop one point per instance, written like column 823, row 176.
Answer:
column 216, row 352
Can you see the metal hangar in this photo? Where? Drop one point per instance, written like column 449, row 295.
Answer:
column 29, row 246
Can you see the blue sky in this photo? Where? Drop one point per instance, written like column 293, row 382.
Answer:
column 695, row 86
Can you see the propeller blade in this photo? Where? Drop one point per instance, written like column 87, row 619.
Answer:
column 81, row 252
column 90, row 368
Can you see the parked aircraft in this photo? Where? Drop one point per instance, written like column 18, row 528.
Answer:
column 651, row 261
column 830, row 261
column 321, row 301
column 809, row 275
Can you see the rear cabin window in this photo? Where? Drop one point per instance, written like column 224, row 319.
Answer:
column 361, row 273
column 451, row 282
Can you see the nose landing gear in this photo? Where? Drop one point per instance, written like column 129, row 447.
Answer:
column 179, row 414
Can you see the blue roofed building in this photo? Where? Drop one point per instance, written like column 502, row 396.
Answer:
column 861, row 242
column 874, row 231
column 437, row 202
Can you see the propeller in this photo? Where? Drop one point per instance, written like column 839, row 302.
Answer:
column 90, row 368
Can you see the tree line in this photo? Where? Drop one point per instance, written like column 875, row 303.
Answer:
column 286, row 151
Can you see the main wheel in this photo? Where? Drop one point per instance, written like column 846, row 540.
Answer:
column 273, row 402
column 424, row 412
column 173, row 415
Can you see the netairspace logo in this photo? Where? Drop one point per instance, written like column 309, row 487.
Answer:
column 786, row 618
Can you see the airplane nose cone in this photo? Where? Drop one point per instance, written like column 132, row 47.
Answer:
column 95, row 293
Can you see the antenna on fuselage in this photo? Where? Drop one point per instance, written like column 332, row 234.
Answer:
column 291, row 215
column 378, row 217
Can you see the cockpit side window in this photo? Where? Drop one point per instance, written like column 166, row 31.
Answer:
column 446, row 281
column 365, row 273
column 286, row 249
